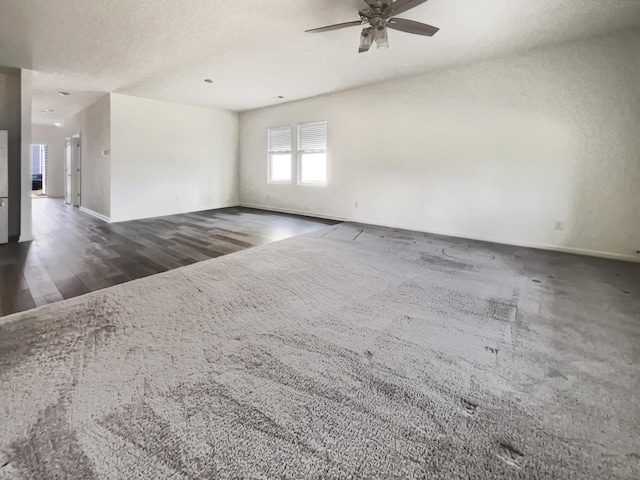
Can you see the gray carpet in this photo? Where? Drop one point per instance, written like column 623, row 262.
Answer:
column 352, row 352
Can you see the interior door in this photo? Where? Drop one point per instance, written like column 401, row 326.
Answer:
column 68, row 169
column 75, row 170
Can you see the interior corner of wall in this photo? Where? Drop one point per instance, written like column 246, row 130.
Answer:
column 26, row 94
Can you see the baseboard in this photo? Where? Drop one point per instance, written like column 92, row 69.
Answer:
column 295, row 212
column 481, row 238
column 95, row 214
column 514, row 243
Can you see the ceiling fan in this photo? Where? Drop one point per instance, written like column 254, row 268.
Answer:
column 378, row 16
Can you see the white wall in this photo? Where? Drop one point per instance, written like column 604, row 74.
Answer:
column 169, row 158
column 10, row 115
column 26, row 93
column 497, row 150
column 53, row 137
column 94, row 126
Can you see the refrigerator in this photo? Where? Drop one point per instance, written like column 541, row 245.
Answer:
column 4, row 187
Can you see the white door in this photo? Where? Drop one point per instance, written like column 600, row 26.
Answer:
column 68, row 168
column 75, row 172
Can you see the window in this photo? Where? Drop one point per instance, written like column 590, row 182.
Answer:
column 312, row 153
column 279, row 150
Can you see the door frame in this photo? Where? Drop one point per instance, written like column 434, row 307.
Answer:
column 44, row 165
column 74, row 143
column 68, row 170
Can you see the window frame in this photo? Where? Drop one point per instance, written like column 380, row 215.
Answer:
column 302, row 152
column 270, row 154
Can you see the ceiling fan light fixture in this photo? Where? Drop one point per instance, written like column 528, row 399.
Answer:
column 366, row 39
column 382, row 40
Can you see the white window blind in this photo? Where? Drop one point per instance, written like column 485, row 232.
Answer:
column 312, row 137
column 312, row 153
column 44, row 161
column 279, row 152
column 279, row 139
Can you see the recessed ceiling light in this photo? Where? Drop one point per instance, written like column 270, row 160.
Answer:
column 48, row 110
column 63, row 94
column 208, row 80
column 58, row 124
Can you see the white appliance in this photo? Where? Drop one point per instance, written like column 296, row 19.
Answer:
column 4, row 187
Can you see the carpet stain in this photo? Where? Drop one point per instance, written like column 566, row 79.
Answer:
column 469, row 254
column 555, row 373
column 469, row 406
column 510, row 455
column 445, row 264
column 498, row 309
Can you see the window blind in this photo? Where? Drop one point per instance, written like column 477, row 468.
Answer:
column 280, row 139
column 312, row 136
column 44, row 159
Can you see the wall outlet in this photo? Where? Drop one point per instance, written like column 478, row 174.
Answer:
column 356, row 204
column 558, row 225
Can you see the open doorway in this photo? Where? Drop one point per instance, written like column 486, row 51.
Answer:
column 39, row 166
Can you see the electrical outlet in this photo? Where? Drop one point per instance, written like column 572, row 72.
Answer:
column 558, row 225
column 356, row 204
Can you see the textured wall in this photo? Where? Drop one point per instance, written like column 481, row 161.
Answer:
column 94, row 126
column 169, row 158
column 498, row 150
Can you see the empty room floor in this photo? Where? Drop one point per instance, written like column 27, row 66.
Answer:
column 74, row 253
column 352, row 351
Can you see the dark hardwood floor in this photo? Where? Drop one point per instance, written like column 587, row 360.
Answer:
column 74, row 253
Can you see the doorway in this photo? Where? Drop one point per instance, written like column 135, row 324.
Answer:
column 39, row 168
column 72, row 170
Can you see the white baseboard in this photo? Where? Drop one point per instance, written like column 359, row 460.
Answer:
column 537, row 246
column 95, row 214
column 501, row 241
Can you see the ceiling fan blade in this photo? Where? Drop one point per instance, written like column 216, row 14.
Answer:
column 401, row 6
column 355, row 23
column 410, row 26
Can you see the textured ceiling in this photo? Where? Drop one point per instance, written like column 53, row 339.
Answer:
column 255, row 50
